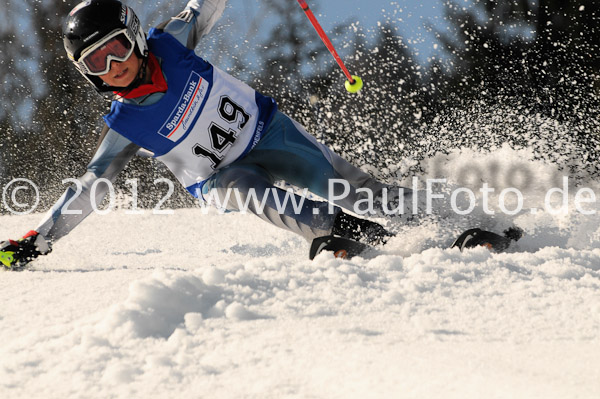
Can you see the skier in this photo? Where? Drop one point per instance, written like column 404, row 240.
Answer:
column 214, row 132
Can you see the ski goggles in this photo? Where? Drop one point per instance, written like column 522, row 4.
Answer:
column 117, row 46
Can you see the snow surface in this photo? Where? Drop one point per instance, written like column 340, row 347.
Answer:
column 194, row 305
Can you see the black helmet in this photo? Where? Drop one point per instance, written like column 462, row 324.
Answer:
column 93, row 22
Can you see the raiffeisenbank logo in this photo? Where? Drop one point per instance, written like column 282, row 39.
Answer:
column 186, row 109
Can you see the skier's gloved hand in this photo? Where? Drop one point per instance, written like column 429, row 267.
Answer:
column 17, row 254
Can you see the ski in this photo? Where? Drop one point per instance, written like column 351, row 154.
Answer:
column 346, row 248
column 341, row 247
column 492, row 241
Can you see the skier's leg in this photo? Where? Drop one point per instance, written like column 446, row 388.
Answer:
column 289, row 153
column 249, row 188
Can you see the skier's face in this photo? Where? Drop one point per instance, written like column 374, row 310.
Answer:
column 121, row 74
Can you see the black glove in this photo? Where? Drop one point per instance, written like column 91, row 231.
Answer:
column 17, row 254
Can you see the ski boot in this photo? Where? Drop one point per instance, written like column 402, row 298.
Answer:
column 350, row 236
column 492, row 241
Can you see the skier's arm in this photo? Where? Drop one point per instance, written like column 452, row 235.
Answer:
column 112, row 155
column 195, row 21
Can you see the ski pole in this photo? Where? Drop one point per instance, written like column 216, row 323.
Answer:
column 354, row 83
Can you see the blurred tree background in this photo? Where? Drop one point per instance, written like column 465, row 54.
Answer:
column 538, row 59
